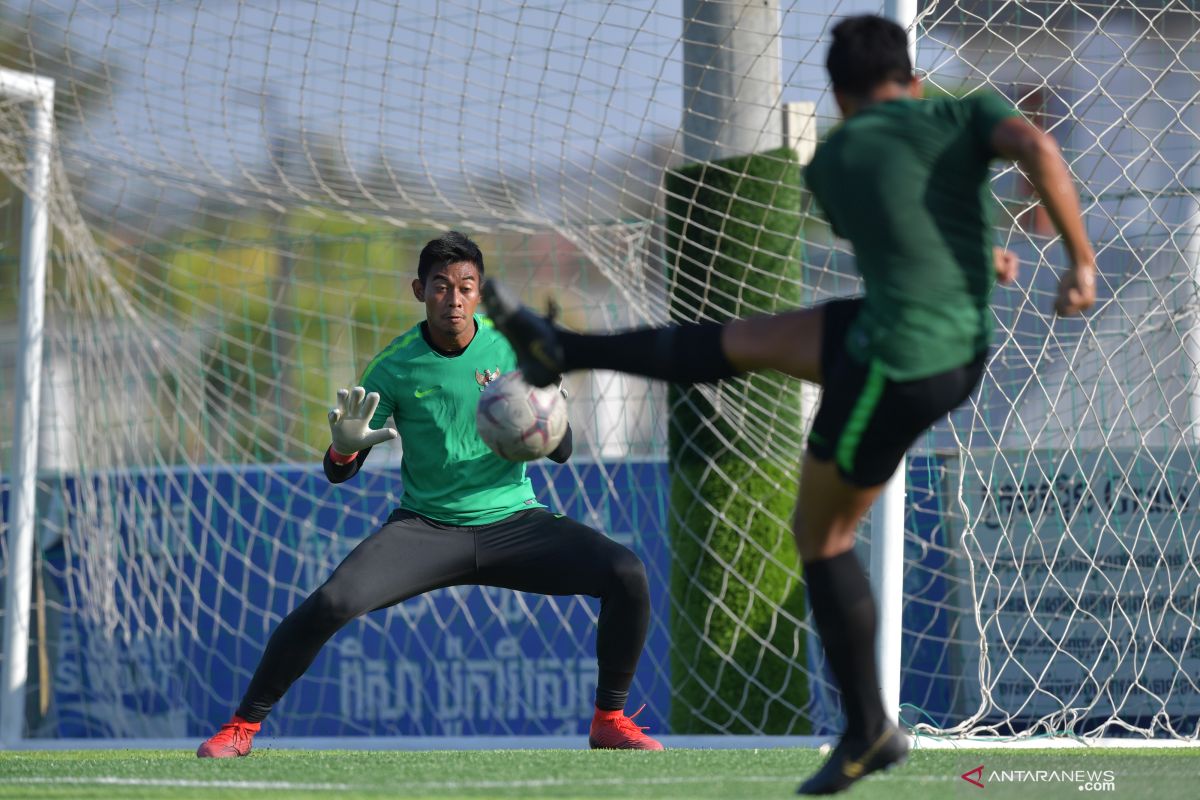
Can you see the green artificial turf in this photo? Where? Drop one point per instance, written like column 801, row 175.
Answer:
column 743, row 774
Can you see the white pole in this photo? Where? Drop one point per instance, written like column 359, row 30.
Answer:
column 731, row 78
column 887, row 517
column 28, row 380
column 904, row 12
column 1191, row 260
column 887, row 582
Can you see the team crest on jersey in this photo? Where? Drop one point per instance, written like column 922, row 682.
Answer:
column 486, row 377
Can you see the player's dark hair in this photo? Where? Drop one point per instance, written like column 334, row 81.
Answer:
column 867, row 51
column 449, row 248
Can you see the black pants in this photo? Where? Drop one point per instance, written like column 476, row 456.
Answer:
column 531, row 551
column 866, row 421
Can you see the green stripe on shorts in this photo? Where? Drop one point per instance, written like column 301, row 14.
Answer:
column 860, row 416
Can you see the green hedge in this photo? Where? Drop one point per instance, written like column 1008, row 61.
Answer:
column 734, row 240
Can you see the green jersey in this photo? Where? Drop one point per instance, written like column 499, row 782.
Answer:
column 906, row 181
column 449, row 474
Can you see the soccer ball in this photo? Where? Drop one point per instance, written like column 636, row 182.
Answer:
column 520, row 422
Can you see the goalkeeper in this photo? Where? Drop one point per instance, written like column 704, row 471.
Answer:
column 906, row 181
column 467, row 517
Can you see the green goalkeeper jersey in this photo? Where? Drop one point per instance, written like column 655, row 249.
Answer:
column 449, row 474
column 906, row 181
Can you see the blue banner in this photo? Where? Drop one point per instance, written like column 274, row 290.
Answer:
column 161, row 638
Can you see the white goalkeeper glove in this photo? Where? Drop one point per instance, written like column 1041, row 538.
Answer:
column 350, row 422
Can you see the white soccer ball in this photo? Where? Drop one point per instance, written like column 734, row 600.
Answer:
column 520, row 422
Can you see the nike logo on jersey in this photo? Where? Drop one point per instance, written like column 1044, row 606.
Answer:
column 426, row 390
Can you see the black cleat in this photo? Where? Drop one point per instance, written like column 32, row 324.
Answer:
column 532, row 336
column 856, row 758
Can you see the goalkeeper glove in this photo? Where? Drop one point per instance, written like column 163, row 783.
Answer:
column 350, row 422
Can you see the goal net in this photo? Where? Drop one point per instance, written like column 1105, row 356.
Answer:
column 240, row 190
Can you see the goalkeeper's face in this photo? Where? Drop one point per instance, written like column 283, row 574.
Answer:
column 450, row 295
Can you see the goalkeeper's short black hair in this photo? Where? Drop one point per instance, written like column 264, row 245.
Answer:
column 449, row 248
column 867, row 51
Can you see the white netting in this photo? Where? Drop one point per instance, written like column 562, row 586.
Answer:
column 239, row 193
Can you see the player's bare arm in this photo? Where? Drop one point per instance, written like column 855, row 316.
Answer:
column 1036, row 152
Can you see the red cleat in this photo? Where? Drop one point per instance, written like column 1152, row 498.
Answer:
column 612, row 730
column 231, row 741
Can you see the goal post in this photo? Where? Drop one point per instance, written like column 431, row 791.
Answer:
column 38, row 93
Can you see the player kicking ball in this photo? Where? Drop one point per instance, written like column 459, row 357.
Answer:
column 906, row 181
column 467, row 516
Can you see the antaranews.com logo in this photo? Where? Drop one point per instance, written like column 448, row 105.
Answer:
column 1087, row 780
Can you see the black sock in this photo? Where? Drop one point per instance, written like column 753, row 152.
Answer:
column 688, row 353
column 612, row 689
column 844, row 613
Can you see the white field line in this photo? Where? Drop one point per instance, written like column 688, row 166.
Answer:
column 998, row 745
column 426, row 743
column 419, row 743
column 177, row 783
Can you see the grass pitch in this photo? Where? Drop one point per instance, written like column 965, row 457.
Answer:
column 742, row 774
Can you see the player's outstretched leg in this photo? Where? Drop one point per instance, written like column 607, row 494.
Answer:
column 692, row 352
column 233, row 740
column 687, row 353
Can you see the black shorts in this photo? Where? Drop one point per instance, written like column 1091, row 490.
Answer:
column 866, row 421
